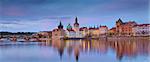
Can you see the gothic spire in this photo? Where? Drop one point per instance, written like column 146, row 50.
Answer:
column 60, row 26
column 119, row 20
column 76, row 21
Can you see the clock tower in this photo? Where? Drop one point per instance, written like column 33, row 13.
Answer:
column 76, row 25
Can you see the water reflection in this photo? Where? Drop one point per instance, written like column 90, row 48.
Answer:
column 121, row 48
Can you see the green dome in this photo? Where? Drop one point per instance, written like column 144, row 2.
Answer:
column 69, row 26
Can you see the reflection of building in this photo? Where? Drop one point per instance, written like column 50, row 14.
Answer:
column 123, row 48
column 59, row 32
column 76, row 53
column 124, row 28
column 141, row 30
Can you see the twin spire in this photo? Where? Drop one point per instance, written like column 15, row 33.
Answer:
column 60, row 26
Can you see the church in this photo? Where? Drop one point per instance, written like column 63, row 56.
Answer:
column 70, row 32
column 74, row 32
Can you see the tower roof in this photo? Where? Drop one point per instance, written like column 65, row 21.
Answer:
column 119, row 21
column 60, row 26
column 69, row 26
column 76, row 21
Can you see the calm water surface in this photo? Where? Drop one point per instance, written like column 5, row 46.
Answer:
column 76, row 51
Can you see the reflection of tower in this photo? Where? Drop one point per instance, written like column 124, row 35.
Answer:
column 76, row 52
column 119, row 51
column 60, row 46
column 76, row 25
column 61, row 50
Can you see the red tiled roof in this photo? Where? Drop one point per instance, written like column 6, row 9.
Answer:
column 141, row 25
column 103, row 26
column 113, row 28
column 130, row 22
column 55, row 29
column 82, row 28
column 93, row 28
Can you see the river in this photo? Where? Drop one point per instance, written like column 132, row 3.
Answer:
column 76, row 51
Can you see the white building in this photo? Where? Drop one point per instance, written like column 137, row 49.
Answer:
column 74, row 32
column 141, row 30
column 70, row 32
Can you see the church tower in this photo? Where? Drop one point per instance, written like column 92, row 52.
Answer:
column 69, row 27
column 118, row 26
column 119, row 22
column 60, row 26
column 76, row 25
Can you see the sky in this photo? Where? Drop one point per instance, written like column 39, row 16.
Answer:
column 45, row 15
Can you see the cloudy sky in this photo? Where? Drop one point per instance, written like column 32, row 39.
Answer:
column 44, row 15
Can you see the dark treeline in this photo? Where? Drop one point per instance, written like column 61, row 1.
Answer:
column 17, row 33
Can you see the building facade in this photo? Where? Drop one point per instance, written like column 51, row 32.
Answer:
column 124, row 28
column 112, row 31
column 84, row 31
column 70, row 32
column 58, row 32
column 75, row 31
column 141, row 30
column 94, row 31
column 103, row 30
column 44, row 34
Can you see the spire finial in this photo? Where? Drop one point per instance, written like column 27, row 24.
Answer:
column 76, row 20
column 60, row 23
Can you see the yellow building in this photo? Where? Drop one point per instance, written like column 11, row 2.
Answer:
column 84, row 31
column 112, row 31
column 94, row 32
